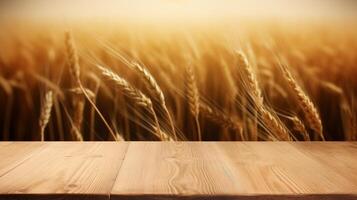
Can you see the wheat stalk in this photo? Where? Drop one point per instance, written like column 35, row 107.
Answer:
column 78, row 102
column 309, row 109
column 193, row 98
column 271, row 122
column 155, row 89
column 45, row 113
column 253, row 87
column 75, row 71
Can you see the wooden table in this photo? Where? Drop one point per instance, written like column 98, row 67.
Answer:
column 182, row 170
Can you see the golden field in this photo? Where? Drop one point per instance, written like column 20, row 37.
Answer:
column 251, row 80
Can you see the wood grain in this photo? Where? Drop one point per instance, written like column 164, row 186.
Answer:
column 66, row 169
column 12, row 155
column 237, row 170
column 178, row 170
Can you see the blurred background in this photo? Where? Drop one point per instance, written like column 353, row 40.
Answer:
column 316, row 39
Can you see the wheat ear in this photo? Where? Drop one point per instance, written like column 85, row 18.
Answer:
column 309, row 109
column 75, row 71
column 193, row 98
column 252, row 81
column 135, row 95
column 72, row 57
column 300, row 127
column 270, row 121
column 45, row 113
column 155, row 89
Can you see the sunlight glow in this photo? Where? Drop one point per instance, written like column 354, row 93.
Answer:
column 174, row 10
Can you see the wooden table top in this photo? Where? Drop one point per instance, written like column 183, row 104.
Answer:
column 178, row 170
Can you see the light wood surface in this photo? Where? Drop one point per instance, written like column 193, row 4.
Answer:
column 64, row 169
column 181, row 170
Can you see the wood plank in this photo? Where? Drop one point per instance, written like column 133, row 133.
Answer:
column 231, row 170
column 12, row 155
column 178, row 170
column 66, row 170
column 170, row 168
column 339, row 156
column 302, row 173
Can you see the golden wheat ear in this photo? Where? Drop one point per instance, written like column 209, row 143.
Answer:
column 193, row 98
column 45, row 113
column 300, row 128
column 270, row 121
column 311, row 114
column 72, row 56
column 251, row 79
column 155, row 89
column 136, row 96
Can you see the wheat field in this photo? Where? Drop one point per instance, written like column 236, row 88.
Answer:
column 246, row 81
